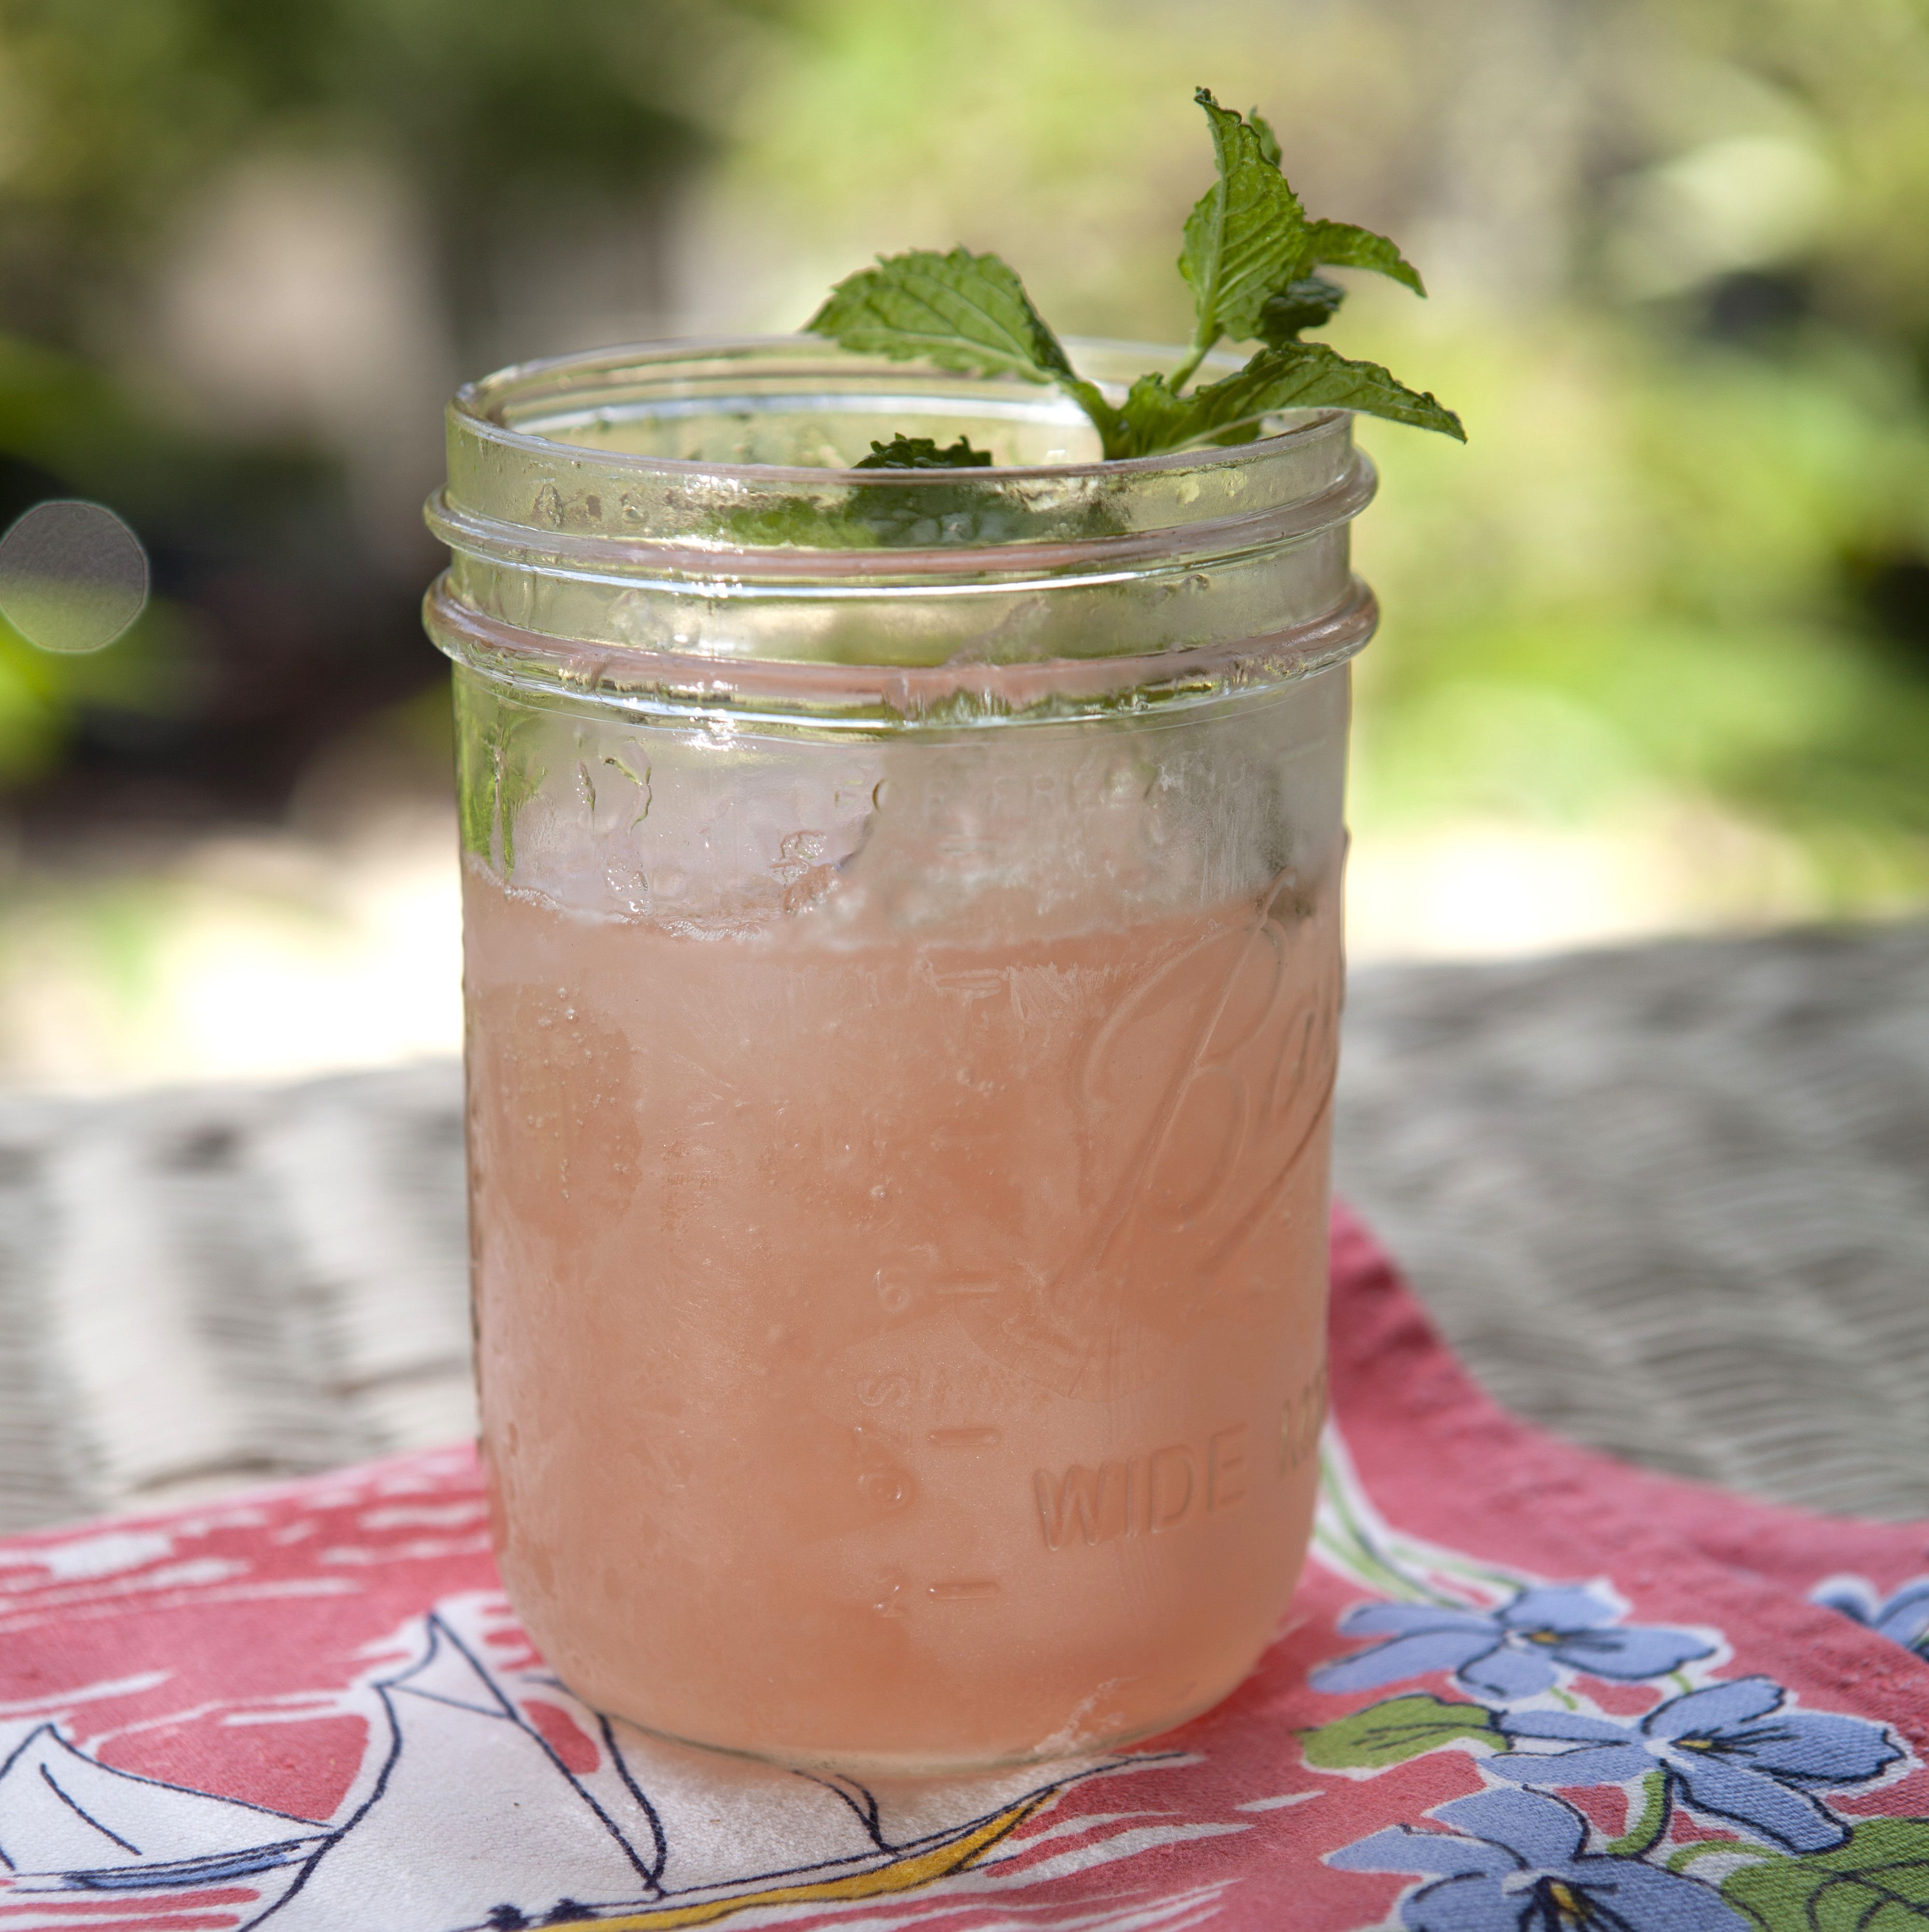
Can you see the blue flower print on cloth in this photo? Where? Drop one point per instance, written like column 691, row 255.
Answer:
column 1730, row 1750
column 1520, row 1867
column 1903, row 1619
column 1514, row 1651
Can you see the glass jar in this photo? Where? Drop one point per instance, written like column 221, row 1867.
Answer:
column 902, row 925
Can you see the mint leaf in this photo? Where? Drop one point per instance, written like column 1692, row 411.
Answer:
column 1269, row 141
column 1309, row 303
column 961, row 311
column 1340, row 245
column 1155, row 418
column 1309, row 375
column 1245, row 238
column 1294, row 375
column 497, row 775
column 922, row 452
column 1391, row 1732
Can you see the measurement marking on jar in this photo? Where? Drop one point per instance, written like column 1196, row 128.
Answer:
column 960, row 1587
column 974, row 985
column 962, row 1438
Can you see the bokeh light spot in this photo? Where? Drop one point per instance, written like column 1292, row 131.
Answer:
column 73, row 576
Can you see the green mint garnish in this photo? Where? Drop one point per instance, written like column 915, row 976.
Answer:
column 960, row 311
column 1309, row 303
column 921, row 452
column 1245, row 237
column 1249, row 256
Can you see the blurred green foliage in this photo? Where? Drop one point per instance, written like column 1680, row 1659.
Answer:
column 1670, row 597
column 117, row 116
column 280, row 617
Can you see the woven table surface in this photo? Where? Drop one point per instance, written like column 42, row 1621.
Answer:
column 1672, row 1200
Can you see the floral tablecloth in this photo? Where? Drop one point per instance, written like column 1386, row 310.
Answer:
column 1521, row 1688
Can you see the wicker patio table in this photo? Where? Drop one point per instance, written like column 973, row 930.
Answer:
column 1671, row 1200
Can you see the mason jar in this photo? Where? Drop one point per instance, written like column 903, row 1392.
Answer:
column 902, row 929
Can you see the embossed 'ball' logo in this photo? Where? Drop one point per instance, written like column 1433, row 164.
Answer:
column 1200, row 1092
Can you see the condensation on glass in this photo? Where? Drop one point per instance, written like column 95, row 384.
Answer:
column 903, row 962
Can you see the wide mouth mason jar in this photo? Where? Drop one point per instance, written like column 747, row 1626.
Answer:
column 902, row 927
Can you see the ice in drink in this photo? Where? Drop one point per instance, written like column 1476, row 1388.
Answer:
column 899, row 1352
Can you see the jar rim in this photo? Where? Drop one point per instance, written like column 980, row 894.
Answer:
column 480, row 406
column 644, row 461
column 593, row 500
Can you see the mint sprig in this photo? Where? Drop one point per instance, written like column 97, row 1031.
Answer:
column 1249, row 257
